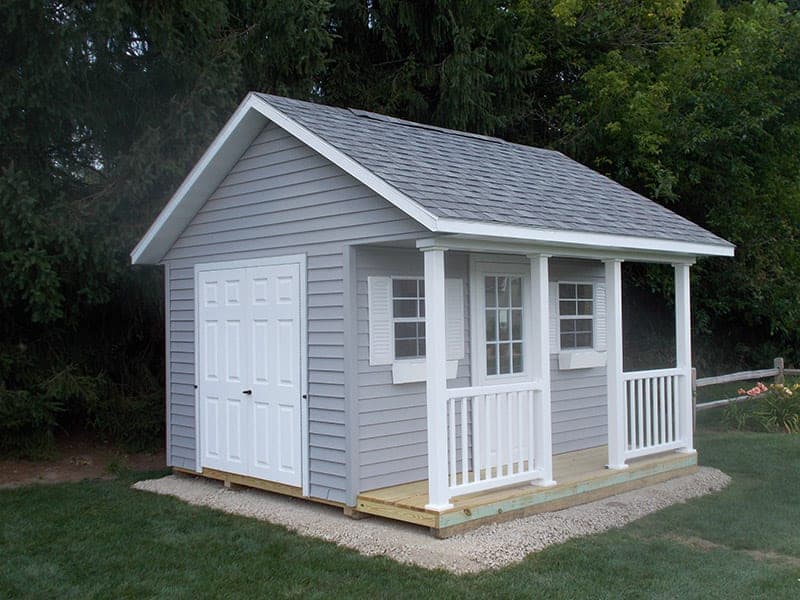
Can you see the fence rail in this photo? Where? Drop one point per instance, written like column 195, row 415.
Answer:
column 777, row 371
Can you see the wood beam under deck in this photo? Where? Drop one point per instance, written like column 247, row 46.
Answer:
column 581, row 476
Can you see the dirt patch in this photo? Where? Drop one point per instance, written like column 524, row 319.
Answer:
column 77, row 458
column 699, row 543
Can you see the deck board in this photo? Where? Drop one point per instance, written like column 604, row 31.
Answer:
column 581, row 477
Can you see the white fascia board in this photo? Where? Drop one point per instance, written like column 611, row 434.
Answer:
column 578, row 239
column 347, row 164
column 234, row 138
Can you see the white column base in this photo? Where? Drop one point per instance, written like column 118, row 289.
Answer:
column 686, row 451
column 619, row 467
column 438, row 507
column 544, row 482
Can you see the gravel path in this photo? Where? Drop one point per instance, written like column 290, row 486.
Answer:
column 488, row 547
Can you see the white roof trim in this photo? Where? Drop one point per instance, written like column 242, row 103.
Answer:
column 249, row 119
column 581, row 239
column 203, row 179
column 149, row 250
column 337, row 157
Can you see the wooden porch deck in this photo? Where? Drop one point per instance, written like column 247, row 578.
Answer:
column 581, row 477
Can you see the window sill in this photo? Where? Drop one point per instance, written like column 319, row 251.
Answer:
column 413, row 370
column 580, row 359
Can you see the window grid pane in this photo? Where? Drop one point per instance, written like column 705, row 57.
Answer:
column 408, row 302
column 504, row 324
column 576, row 312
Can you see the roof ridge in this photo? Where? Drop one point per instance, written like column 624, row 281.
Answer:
column 416, row 124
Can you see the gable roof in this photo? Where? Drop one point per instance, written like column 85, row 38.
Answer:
column 449, row 181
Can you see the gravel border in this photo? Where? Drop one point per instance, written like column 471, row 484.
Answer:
column 488, row 547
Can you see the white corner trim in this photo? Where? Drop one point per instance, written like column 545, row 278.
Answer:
column 337, row 157
column 580, row 359
column 581, row 239
column 411, row 371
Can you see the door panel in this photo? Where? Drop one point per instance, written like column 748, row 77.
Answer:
column 501, row 301
column 250, row 341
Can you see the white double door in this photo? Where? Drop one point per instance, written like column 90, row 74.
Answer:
column 249, row 370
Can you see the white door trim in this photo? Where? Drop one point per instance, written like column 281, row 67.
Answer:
column 301, row 260
column 479, row 266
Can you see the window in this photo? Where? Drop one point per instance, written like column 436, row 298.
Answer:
column 504, row 321
column 408, row 317
column 576, row 315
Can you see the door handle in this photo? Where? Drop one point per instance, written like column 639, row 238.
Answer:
column 248, row 392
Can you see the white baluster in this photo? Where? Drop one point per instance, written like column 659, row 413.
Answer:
column 464, row 442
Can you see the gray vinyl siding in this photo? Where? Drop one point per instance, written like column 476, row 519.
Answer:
column 579, row 401
column 280, row 198
column 392, row 419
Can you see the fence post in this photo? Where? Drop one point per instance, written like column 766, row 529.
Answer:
column 694, row 399
column 778, row 363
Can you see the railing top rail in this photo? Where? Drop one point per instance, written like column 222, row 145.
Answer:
column 501, row 388
column 628, row 375
column 740, row 376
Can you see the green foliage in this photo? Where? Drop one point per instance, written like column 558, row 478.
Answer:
column 104, row 107
column 779, row 409
column 27, row 422
column 461, row 64
column 776, row 409
column 702, row 112
column 738, row 415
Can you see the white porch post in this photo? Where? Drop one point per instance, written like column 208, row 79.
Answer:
column 683, row 351
column 616, row 408
column 436, row 378
column 540, row 337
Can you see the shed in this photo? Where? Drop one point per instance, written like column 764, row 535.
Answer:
column 413, row 322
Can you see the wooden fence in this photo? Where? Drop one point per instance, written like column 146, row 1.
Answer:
column 777, row 371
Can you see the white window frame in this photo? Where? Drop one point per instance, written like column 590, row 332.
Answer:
column 576, row 316
column 396, row 319
column 478, row 270
column 583, row 357
column 381, row 329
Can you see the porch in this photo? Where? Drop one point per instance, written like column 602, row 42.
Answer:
column 498, row 433
column 582, row 477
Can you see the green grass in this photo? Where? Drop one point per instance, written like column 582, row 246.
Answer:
column 101, row 539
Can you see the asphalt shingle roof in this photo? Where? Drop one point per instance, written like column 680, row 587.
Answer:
column 465, row 176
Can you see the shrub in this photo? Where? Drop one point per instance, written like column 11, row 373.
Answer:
column 737, row 415
column 27, row 422
column 774, row 408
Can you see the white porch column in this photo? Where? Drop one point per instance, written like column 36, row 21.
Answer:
column 540, row 339
column 616, row 408
column 436, row 378
column 683, row 351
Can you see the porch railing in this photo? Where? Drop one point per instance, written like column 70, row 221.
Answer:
column 652, row 406
column 491, row 436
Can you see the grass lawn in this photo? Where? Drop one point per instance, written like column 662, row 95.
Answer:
column 102, row 539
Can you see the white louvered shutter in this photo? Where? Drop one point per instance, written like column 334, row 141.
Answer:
column 454, row 318
column 555, row 346
column 379, row 290
column 600, row 316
